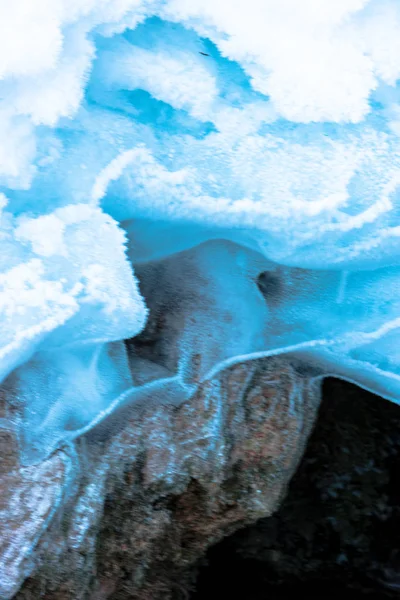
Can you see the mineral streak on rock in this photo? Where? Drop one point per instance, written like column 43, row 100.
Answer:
column 173, row 481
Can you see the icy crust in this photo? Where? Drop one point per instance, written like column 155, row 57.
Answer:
column 243, row 159
column 65, row 280
column 211, row 308
column 66, row 291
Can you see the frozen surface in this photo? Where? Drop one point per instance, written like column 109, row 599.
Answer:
column 197, row 144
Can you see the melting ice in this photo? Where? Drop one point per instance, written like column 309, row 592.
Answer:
column 213, row 181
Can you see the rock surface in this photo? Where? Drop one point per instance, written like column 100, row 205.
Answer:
column 128, row 511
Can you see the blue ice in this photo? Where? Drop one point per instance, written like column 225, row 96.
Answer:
column 188, row 185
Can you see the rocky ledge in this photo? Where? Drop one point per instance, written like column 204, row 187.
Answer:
column 128, row 511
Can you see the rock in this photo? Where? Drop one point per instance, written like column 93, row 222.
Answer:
column 149, row 498
column 29, row 499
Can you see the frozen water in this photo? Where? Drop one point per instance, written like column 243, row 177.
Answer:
column 199, row 145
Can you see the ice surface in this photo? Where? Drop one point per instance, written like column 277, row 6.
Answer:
column 199, row 145
column 66, row 289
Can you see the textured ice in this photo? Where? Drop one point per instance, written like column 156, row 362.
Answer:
column 241, row 159
column 67, row 298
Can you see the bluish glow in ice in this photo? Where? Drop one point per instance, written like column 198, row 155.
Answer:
column 193, row 145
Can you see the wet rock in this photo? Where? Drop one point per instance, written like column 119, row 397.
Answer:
column 29, row 499
column 150, row 498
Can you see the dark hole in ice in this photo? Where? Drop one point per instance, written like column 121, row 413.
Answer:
column 270, row 285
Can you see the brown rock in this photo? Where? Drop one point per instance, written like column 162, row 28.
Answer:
column 153, row 496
